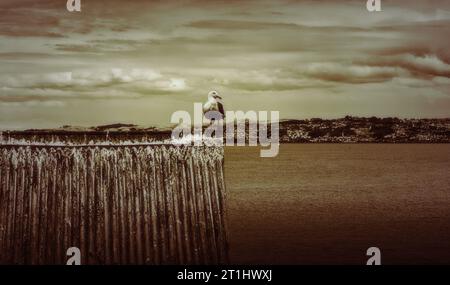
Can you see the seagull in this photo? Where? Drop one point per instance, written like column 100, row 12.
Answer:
column 213, row 106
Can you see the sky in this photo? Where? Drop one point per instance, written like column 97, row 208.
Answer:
column 139, row 61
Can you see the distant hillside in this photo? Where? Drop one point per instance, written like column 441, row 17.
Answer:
column 357, row 129
column 344, row 130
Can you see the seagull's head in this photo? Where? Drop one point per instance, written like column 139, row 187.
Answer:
column 214, row 95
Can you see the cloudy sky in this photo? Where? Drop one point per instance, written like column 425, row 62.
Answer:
column 138, row 61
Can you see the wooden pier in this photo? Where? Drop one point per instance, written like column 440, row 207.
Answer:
column 121, row 204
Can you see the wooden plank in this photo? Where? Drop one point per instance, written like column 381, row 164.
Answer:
column 152, row 204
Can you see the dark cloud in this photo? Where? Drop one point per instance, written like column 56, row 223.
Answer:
column 77, row 48
column 253, row 25
column 25, row 22
column 23, row 55
column 354, row 74
column 421, row 65
column 49, row 18
column 291, row 54
column 238, row 25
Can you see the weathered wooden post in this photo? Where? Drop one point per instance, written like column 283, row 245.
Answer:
column 119, row 204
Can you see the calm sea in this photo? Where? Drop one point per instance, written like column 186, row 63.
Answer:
column 328, row 203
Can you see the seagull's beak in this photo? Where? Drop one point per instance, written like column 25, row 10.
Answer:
column 217, row 97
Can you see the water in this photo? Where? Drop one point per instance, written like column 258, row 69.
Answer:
column 328, row 203
column 155, row 204
column 313, row 204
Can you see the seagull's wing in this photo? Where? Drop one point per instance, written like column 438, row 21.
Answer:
column 221, row 110
column 207, row 106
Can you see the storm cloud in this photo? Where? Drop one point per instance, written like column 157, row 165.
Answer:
column 138, row 61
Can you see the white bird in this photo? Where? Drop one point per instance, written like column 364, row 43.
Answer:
column 213, row 108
